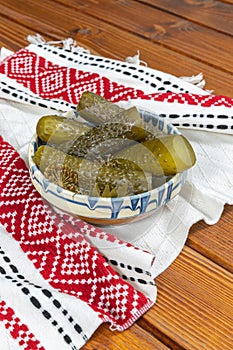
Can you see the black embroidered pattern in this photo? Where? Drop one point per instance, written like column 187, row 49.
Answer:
column 33, row 99
column 36, row 302
column 60, row 104
column 38, row 305
column 200, row 125
column 129, row 267
column 102, row 62
column 139, row 280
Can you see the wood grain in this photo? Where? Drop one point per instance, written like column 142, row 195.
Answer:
column 194, row 306
column 215, row 242
column 171, row 31
column 131, row 339
column 13, row 35
column 211, row 13
column 91, row 34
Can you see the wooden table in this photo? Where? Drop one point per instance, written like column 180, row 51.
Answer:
column 194, row 308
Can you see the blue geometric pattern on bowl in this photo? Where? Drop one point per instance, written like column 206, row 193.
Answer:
column 109, row 208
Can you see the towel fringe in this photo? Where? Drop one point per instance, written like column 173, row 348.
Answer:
column 135, row 59
column 71, row 45
column 197, row 80
column 68, row 44
column 36, row 39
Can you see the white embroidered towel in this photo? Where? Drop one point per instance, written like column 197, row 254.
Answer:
column 205, row 119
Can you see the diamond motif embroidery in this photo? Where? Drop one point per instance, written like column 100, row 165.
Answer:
column 22, row 65
column 51, row 81
column 59, row 251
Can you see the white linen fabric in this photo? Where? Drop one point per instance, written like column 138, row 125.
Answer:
column 209, row 183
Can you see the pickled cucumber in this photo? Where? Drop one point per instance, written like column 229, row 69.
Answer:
column 167, row 155
column 66, row 171
column 113, row 178
column 97, row 110
column 116, row 157
column 56, row 129
column 123, row 177
column 46, row 155
column 105, row 138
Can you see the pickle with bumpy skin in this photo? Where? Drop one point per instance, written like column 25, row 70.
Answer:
column 56, row 129
column 70, row 172
column 46, row 155
column 166, row 155
column 113, row 136
column 114, row 178
column 98, row 110
column 122, row 177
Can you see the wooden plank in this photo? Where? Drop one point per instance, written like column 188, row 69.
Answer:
column 171, row 31
column 213, row 14
column 99, row 38
column 134, row 338
column 13, row 35
column 228, row 1
column 215, row 242
column 20, row 14
column 194, row 306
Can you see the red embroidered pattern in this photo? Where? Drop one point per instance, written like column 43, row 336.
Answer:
column 59, row 251
column 92, row 231
column 52, row 81
column 17, row 329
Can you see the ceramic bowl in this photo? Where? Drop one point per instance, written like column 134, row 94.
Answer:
column 108, row 211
